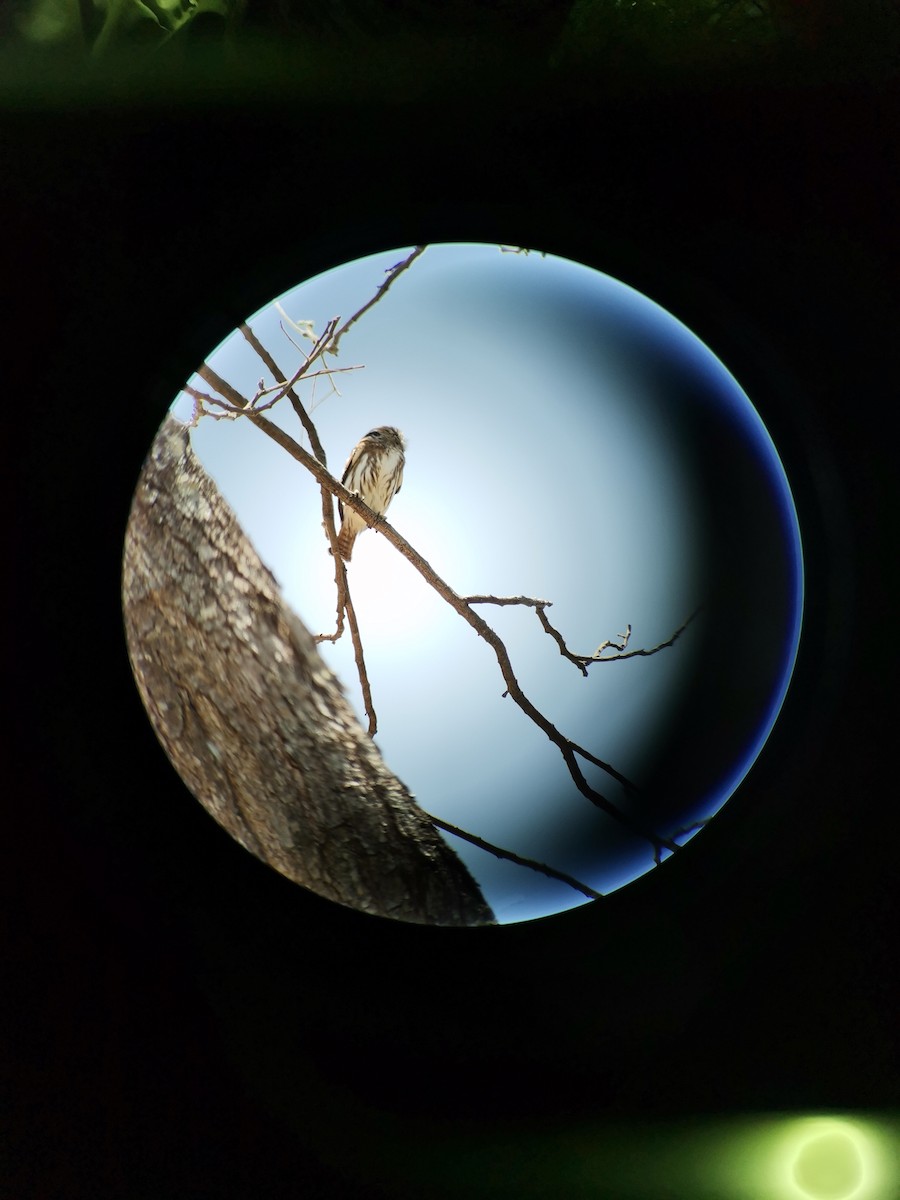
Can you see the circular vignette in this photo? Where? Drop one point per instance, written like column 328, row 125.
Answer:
column 571, row 446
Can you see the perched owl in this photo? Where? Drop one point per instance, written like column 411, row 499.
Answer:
column 375, row 472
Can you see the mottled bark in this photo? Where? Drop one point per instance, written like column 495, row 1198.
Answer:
column 255, row 722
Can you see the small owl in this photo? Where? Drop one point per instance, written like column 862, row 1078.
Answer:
column 375, row 472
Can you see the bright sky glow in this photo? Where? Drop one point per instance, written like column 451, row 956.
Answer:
column 545, row 457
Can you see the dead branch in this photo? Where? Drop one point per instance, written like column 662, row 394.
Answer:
column 511, row 856
column 229, row 411
column 619, row 646
column 382, row 288
column 265, row 391
column 605, row 766
column 285, row 387
column 583, row 661
column 528, row 601
column 340, row 575
column 653, row 649
column 360, row 661
column 320, row 347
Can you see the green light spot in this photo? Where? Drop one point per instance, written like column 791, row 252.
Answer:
column 829, row 1167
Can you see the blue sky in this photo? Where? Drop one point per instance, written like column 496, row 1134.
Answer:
column 546, row 458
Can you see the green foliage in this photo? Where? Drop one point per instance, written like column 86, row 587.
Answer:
column 100, row 25
column 636, row 40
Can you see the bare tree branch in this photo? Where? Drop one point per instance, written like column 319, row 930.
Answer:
column 511, row 856
column 619, row 646
column 392, row 274
column 528, row 601
column 229, row 412
column 583, row 661
column 654, row 649
column 340, row 574
column 605, row 766
column 325, row 371
column 320, row 347
column 360, row 658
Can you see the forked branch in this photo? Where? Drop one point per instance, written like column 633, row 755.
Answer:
column 583, row 661
column 392, row 273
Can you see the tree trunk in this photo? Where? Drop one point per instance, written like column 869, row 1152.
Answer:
column 255, row 722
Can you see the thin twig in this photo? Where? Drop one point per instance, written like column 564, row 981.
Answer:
column 276, row 387
column 288, row 388
column 204, row 398
column 560, row 641
column 361, row 664
column 392, row 274
column 340, row 571
column 653, row 649
column 532, row 863
column 345, row 605
column 610, row 643
column 583, row 661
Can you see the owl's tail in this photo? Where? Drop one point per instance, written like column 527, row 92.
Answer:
column 345, row 541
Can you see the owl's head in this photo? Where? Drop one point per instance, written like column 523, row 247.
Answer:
column 387, row 436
